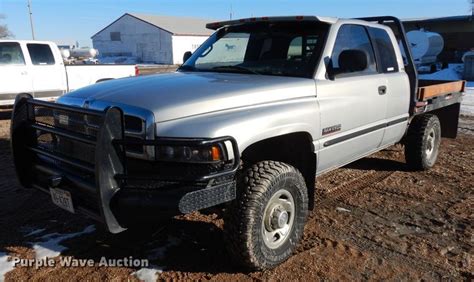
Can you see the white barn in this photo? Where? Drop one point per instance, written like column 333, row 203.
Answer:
column 151, row 38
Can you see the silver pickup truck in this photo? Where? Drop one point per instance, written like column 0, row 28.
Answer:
column 259, row 110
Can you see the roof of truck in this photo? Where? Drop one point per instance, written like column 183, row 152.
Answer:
column 27, row 41
column 216, row 25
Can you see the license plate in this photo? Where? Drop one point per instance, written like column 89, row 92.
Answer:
column 62, row 199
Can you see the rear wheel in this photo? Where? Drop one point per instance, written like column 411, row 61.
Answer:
column 264, row 225
column 422, row 143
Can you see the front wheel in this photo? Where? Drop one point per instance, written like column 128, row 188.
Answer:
column 265, row 223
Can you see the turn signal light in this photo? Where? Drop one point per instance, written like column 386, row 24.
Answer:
column 216, row 153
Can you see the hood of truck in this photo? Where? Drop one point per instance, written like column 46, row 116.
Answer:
column 182, row 94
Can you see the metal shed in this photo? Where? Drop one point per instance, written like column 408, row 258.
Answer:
column 151, row 38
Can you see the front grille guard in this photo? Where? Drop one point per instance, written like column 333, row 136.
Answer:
column 99, row 177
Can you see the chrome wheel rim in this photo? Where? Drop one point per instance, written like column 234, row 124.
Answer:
column 278, row 219
column 430, row 143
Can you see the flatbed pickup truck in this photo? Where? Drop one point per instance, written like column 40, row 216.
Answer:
column 247, row 123
column 37, row 68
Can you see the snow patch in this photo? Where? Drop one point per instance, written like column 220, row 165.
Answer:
column 453, row 72
column 148, row 274
column 51, row 247
column 467, row 106
column 342, row 209
column 5, row 265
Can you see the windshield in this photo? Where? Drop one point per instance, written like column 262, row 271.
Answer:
column 284, row 49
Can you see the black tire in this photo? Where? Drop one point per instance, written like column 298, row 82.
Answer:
column 422, row 142
column 262, row 188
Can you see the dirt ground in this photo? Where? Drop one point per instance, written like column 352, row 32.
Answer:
column 373, row 219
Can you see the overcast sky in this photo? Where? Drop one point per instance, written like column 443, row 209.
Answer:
column 70, row 20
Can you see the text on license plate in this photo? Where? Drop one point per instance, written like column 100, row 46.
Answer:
column 62, row 199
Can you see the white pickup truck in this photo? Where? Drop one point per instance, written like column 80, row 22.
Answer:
column 245, row 124
column 37, row 68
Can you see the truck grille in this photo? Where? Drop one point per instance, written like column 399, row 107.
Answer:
column 66, row 120
column 134, row 124
column 88, row 125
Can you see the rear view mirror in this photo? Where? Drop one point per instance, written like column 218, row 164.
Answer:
column 186, row 56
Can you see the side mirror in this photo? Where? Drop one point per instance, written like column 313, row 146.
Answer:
column 186, row 56
column 330, row 73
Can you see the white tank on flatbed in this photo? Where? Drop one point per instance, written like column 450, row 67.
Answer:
column 425, row 46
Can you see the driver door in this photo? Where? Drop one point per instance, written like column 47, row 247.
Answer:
column 352, row 105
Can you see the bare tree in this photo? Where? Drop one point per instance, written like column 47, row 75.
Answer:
column 4, row 31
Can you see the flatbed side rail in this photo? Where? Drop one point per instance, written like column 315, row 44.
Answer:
column 429, row 89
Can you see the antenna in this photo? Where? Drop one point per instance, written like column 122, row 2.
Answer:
column 232, row 11
column 31, row 19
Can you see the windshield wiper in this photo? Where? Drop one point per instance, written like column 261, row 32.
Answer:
column 187, row 68
column 238, row 68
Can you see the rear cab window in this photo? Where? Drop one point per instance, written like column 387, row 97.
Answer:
column 386, row 53
column 41, row 54
column 302, row 48
column 11, row 54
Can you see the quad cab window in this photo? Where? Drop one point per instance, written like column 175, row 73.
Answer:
column 282, row 49
column 384, row 46
column 40, row 54
column 11, row 54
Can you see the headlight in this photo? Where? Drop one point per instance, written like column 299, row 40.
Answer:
column 201, row 154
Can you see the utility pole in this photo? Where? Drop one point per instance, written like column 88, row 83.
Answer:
column 472, row 9
column 31, row 20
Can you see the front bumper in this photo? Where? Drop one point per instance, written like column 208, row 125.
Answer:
column 131, row 206
column 94, row 167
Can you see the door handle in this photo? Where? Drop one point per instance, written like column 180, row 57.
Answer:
column 382, row 90
column 24, row 73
